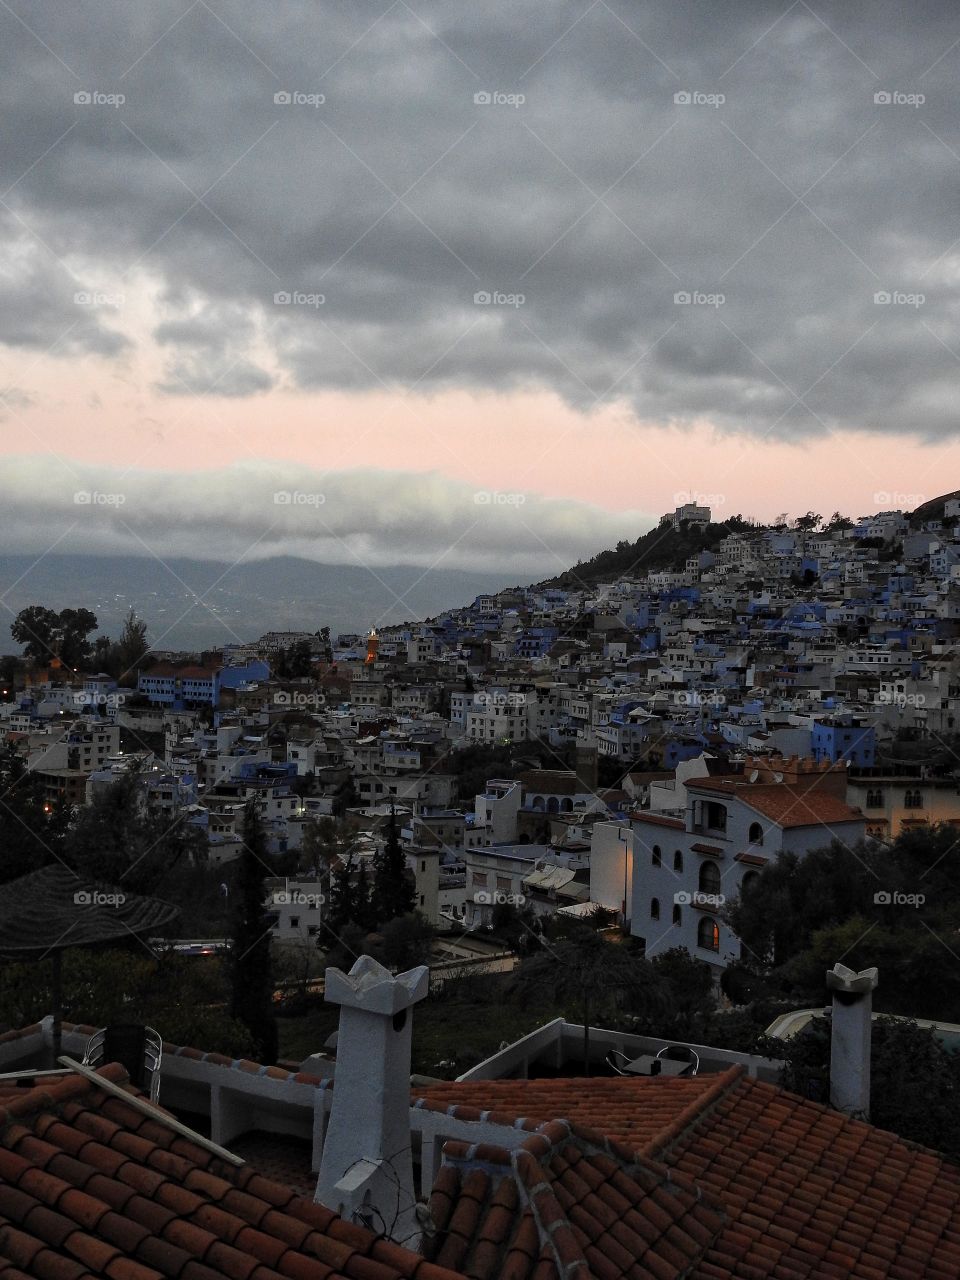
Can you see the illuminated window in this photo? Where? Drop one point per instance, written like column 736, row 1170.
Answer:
column 708, row 935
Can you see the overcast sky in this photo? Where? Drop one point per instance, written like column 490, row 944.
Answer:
column 495, row 283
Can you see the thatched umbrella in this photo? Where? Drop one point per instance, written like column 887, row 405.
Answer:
column 51, row 910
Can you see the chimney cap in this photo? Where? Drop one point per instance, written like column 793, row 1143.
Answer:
column 840, row 978
column 372, row 987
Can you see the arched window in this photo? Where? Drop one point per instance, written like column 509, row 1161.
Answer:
column 677, row 860
column 912, row 800
column 874, row 798
column 755, row 834
column 566, row 805
column 654, row 908
column 709, row 878
column 553, row 804
column 656, row 859
column 677, row 915
column 708, row 934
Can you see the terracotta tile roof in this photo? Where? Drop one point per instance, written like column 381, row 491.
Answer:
column 613, row 1106
column 89, row 1187
column 568, row 1203
column 821, row 1194
column 786, row 804
column 656, row 821
column 716, row 1177
column 808, row 1193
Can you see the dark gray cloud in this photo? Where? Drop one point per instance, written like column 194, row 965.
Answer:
column 206, row 343
column 799, row 198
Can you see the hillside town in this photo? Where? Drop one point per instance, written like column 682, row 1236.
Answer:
column 513, row 895
column 468, row 810
column 651, row 742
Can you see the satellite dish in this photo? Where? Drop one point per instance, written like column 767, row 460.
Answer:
column 754, row 775
column 778, row 777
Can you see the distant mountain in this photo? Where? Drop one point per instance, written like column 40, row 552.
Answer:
column 659, row 548
column 238, row 602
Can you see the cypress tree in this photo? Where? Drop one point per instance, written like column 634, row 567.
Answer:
column 393, row 892
column 251, row 970
column 341, row 910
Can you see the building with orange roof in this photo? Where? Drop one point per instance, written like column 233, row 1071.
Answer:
column 676, row 875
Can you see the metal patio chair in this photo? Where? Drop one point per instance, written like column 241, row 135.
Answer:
column 138, row 1048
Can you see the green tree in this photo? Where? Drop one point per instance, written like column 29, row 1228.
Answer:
column 777, row 914
column 36, row 628
column 131, row 649
column 407, row 941
column 326, row 839
column 75, row 626
column 393, row 892
column 516, row 926
column 299, row 659
column 344, row 947
column 45, row 634
column 31, row 832
column 340, row 911
column 251, row 972
column 362, row 902
column 116, row 840
column 808, row 522
column 690, row 982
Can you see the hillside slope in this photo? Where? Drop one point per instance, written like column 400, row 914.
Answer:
column 659, row 548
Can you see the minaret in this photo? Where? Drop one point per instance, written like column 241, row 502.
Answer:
column 366, row 1171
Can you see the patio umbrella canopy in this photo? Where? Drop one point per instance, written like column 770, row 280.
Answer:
column 54, row 909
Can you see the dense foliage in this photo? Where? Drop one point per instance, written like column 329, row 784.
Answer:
column 895, row 906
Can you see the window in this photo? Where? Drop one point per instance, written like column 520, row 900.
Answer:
column 656, row 858
column 875, row 798
column 423, row 865
column 709, row 878
column 755, row 834
column 677, row 860
column 708, row 935
column 677, row 915
column 294, row 922
column 715, row 816
column 654, row 908
column 479, row 879
column 912, row 800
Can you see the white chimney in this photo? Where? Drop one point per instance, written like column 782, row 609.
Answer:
column 366, row 1171
column 850, row 1039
